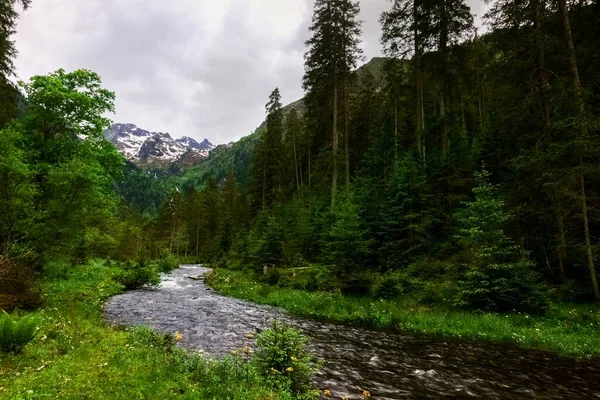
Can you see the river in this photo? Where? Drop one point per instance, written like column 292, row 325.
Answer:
column 388, row 365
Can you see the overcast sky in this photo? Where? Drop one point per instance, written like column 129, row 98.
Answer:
column 199, row 68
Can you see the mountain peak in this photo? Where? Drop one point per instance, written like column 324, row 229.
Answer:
column 143, row 147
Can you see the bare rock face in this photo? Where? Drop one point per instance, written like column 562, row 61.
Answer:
column 144, row 148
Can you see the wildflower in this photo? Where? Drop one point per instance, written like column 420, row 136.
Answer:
column 327, row 392
column 247, row 350
column 366, row 394
column 234, row 352
column 178, row 336
column 249, row 336
column 289, row 369
column 274, row 370
column 294, row 359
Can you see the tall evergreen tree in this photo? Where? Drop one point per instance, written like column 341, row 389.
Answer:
column 333, row 52
column 8, row 22
column 267, row 162
column 405, row 34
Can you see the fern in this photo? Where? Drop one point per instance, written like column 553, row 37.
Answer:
column 15, row 335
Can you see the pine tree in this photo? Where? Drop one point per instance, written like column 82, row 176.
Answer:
column 266, row 168
column 500, row 277
column 405, row 34
column 9, row 95
column 333, row 52
column 8, row 22
column 347, row 244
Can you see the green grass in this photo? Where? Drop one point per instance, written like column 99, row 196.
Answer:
column 75, row 355
column 566, row 329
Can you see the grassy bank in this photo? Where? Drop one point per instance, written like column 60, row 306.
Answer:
column 75, row 355
column 572, row 330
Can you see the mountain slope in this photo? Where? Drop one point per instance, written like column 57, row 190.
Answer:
column 145, row 148
column 237, row 156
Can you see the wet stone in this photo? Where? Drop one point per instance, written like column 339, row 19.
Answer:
column 388, row 365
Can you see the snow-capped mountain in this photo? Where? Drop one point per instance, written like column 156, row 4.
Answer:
column 143, row 147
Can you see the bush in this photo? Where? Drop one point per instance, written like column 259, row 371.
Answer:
column 282, row 358
column 138, row 274
column 389, row 285
column 14, row 335
column 167, row 262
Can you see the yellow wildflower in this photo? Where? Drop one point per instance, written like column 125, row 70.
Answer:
column 294, row 359
column 247, row 350
column 327, row 392
column 274, row 370
column 289, row 369
column 249, row 336
column 366, row 394
column 178, row 336
column 234, row 352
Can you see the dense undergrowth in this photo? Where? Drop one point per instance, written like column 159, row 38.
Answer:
column 566, row 329
column 75, row 355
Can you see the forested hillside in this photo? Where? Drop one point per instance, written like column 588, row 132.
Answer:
column 460, row 168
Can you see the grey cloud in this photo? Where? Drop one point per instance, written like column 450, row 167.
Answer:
column 174, row 68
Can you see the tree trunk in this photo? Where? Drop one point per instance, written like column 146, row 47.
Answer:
column 264, row 186
column 395, row 128
column 417, row 66
column 198, row 239
column 588, row 242
column 561, row 250
column 295, row 158
column 444, row 68
column 562, row 4
column 542, row 75
column 335, row 141
column 346, row 138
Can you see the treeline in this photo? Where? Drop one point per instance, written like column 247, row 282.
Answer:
column 465, row 170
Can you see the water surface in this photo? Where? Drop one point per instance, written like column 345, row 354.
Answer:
column 388, row 365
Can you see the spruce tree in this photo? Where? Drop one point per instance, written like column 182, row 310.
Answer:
column 266, row 168
column 404, row 35
column 333, row 52
column 8, row 22
column 500, row 277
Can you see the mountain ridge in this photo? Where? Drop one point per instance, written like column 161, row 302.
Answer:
column 156, row 149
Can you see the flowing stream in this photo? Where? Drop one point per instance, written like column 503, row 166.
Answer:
column 388, row 365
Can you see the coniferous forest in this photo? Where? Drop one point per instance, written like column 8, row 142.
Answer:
column 461, row 166
column 457, row 177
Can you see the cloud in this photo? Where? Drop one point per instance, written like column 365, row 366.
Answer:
column 200, row 68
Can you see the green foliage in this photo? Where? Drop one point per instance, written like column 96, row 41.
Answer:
column 389, row 285
column 266, row 244
column 17, row 191
column 346, row 243
column 500, row 277
column 137, row 274
column 167, row 262
column 282, row 358
column 8, row 22
column 16, row 334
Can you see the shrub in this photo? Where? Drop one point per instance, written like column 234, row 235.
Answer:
column 137, row 274
column 282, row 358
column 147, row 337
column 167, row 262
column 389, row 285
column 14, row 335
